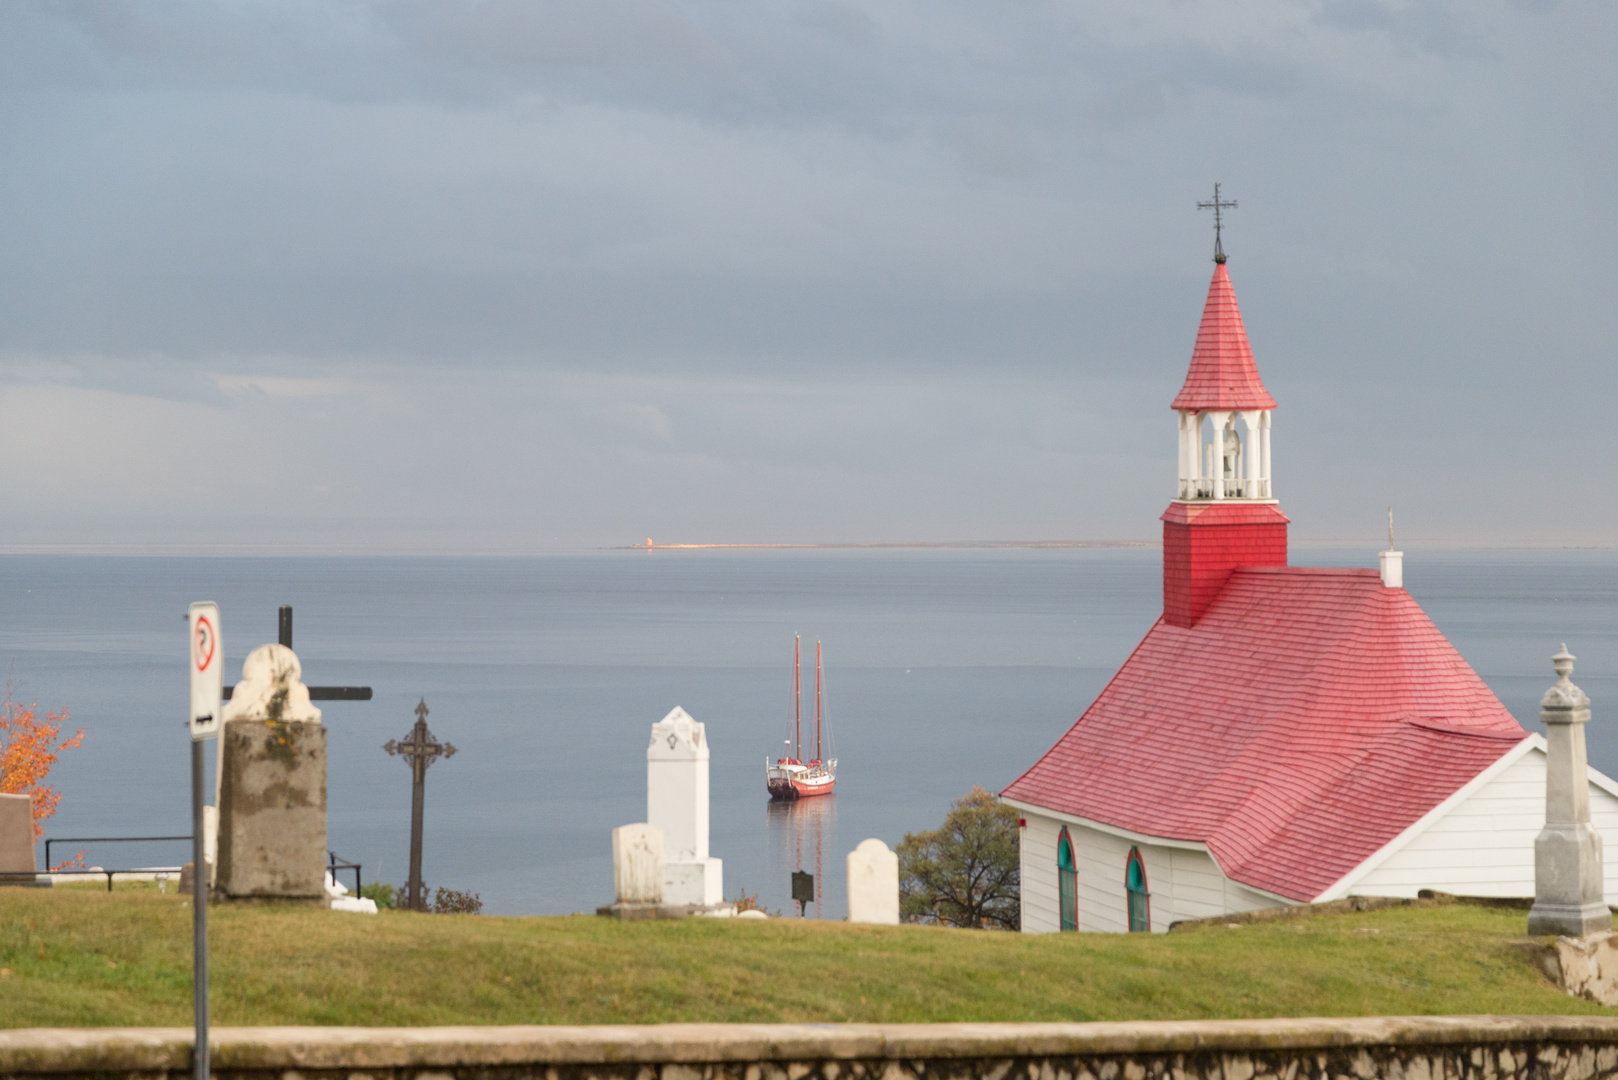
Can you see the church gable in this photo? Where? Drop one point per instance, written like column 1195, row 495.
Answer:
column 1482, row 842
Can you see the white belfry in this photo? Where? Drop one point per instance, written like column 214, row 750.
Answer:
column 1225, row 454
column 1569, row 897
column 677, row 803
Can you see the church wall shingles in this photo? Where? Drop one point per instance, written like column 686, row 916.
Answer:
column 1204, row 545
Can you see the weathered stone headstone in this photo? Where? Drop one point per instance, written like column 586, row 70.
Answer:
column 677, row 803
column 17, row 858
column 637, row 864
column 1569, row 890
column 873, row 884
column 272, row 785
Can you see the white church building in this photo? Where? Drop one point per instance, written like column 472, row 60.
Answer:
column 1283, row 734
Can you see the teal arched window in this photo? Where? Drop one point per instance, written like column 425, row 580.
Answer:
column 1067, row 881
column 1140, row 901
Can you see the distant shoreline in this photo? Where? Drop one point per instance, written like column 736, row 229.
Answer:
column 942, row 544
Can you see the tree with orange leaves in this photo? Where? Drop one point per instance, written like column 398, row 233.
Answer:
column 28, row 749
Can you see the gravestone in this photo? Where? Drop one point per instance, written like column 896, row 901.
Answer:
column 873, row 884
column 1569, row 890
column 17, row 857
column 677, row 803
column 637, row 864
column 272, row 784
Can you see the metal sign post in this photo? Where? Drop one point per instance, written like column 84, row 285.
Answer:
column 207, row 684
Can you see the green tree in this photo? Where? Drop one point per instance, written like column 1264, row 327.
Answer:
column 968, row 872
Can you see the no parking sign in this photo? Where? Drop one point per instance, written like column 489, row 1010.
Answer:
column 207, row 669
column 207, row 662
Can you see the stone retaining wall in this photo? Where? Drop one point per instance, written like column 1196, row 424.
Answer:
column 1399, row 1048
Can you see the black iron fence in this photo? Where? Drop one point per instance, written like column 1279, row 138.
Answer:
column 49, row 840
column 337, row 863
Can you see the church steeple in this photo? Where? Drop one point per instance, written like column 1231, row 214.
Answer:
column 1224, row 514
column 1220, row 459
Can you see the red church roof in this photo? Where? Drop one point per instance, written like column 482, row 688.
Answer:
column 1306, row 720
column 1222, row 375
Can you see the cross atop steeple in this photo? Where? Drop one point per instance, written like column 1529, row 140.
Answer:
column 1218, row 205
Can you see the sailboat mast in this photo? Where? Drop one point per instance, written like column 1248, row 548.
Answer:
column 817, row 704
column 797, row 705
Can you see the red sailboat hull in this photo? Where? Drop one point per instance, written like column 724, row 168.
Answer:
column 785, row 787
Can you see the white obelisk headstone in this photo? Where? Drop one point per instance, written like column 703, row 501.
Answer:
column 1569, row 893
column 873, row 884
column 677, row 803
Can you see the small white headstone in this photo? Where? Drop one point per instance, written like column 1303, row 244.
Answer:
column 873, row 884
column 637, row 864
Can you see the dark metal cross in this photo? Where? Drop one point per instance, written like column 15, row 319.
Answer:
column 316, row 693
column 1216, row 206
column 421, row 749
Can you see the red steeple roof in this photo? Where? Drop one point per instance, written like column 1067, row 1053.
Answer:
column 1222, row 375
column 1307, row 719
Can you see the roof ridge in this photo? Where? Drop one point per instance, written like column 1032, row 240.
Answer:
column 1346, row 571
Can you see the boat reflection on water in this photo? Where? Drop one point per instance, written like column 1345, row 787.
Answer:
column 801, row 831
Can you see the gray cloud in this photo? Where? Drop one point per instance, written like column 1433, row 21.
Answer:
column 957, row 244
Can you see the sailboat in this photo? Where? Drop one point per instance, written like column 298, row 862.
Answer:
column 792, row 777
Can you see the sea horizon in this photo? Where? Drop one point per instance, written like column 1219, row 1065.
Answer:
column 946, row 668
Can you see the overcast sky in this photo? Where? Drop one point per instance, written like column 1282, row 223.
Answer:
column 520, row 276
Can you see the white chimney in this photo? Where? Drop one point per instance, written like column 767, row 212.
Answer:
column 1393, row 562
column 1393, row 569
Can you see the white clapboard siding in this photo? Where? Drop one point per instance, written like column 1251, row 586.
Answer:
column 1101, row 858
column 1039, row 884
column 1483, row 845
column 1183, row 883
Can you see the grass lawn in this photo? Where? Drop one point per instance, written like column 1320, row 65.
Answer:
column 82, row 957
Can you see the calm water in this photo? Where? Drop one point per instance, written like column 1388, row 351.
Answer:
column 945, row 670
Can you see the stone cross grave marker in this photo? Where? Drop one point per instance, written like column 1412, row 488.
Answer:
column 873, row 884
column 316, row 693
column 421, row 750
